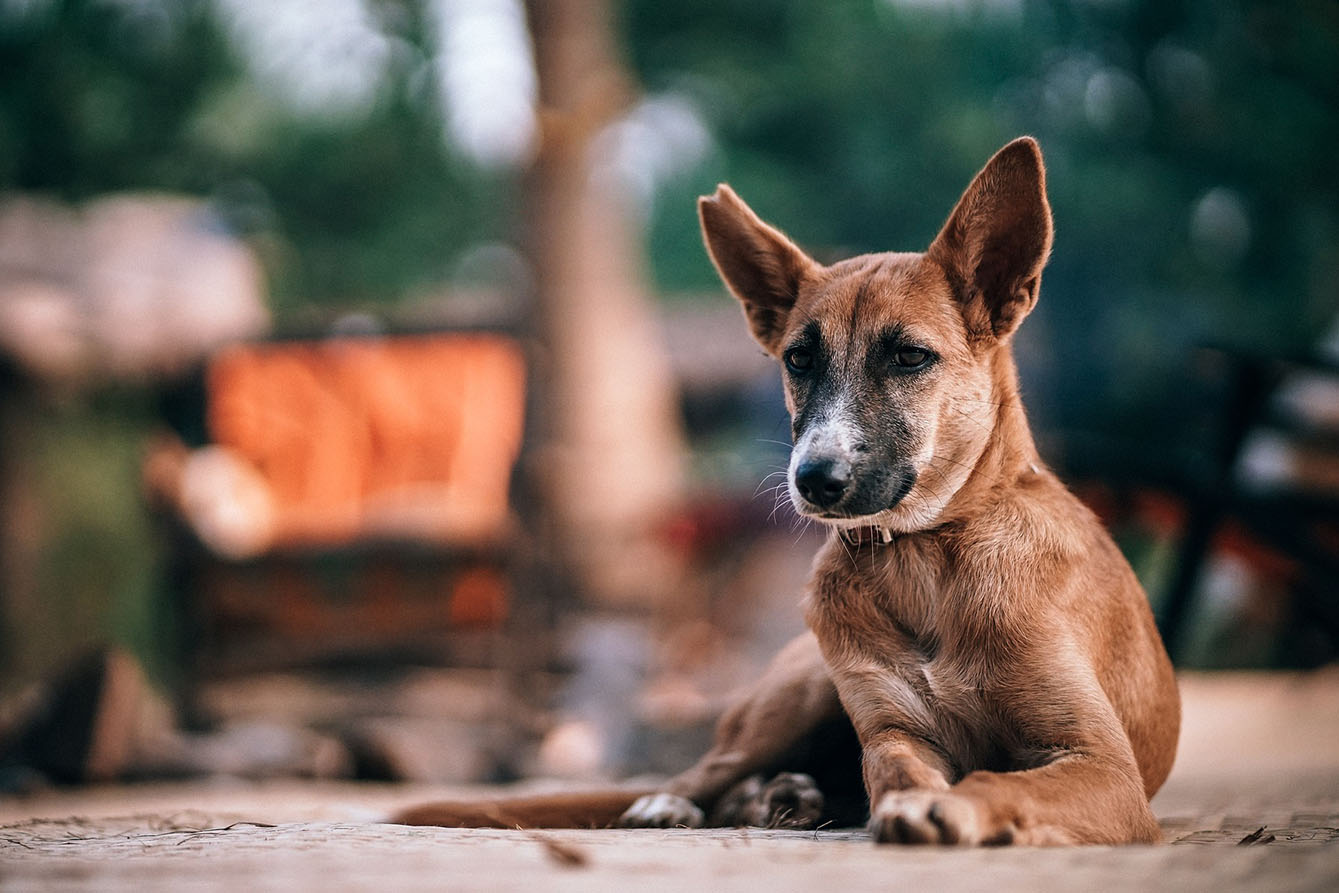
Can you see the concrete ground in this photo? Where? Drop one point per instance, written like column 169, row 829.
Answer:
column 1257, row 752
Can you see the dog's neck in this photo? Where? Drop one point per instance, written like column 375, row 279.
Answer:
column 1010, row 454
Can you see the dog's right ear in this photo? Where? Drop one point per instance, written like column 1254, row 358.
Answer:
column 760, row 266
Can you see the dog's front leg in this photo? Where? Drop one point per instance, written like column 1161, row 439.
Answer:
column 1077, row 799
column 894, row 763
column 1085, row 790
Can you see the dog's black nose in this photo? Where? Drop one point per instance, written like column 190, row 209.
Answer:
column 822, row 482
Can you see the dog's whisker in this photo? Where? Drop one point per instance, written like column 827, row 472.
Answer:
column 933, row 491
column 848, row 549
column 763, row 482
column 950, row 460
column 973, row 419
column 777, row 506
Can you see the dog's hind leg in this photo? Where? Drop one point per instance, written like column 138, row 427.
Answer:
column 774, row 724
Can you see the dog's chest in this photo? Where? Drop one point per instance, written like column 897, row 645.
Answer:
column 885, row 601
column 895, row 654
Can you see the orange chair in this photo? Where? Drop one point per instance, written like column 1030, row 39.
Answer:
column 384, row 466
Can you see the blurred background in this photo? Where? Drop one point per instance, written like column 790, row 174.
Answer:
column 369, row 408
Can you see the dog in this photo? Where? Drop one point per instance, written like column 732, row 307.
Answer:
column 981, row 665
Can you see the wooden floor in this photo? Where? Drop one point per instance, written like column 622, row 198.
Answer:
column 1258, row 752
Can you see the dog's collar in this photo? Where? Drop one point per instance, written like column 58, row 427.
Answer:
column 866, row 535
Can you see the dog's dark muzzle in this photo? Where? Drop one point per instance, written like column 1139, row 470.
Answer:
column 830, row 488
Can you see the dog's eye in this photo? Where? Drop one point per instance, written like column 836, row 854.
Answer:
column 799, row 360
column 911, row 358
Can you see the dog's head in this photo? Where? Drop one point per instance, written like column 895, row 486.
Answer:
column 893, row 363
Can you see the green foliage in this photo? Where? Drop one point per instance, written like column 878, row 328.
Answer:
column 101, row 96
column 1189, row 147
column 88, row 547
column 855, row 125
column 96, row 99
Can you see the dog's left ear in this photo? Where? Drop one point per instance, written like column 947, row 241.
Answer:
column 997, row 239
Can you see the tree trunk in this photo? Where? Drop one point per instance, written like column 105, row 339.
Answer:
column 613, row 461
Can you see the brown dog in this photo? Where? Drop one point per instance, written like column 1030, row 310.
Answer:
column 990, row 646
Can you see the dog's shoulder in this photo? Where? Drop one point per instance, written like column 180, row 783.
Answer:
column 1050, row 556
column 1030, row 552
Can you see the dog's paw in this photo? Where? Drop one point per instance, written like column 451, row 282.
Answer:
column 934, row 817
column 791, row 800
column 662, row 811
column 736, row 808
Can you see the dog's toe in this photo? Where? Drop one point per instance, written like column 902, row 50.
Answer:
column 662, row 811
column 739, row 806
column 914, row 829
column 933, row 817
column 791, row 800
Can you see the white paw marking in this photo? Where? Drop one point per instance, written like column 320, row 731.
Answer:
column 662, row 811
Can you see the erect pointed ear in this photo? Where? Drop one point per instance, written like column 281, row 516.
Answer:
column 997, row 239
column 760, row 266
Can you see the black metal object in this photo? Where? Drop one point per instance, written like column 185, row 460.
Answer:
column 1286, row 521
